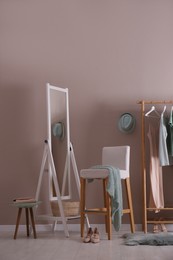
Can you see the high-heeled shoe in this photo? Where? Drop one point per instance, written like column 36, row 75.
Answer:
column 87, row 238
column 163, row 227
column 156, row 228
column 95, row 238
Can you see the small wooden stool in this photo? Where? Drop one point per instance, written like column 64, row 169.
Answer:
column 28, row 206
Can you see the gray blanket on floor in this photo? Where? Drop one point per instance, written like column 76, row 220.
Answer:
column 159, row 239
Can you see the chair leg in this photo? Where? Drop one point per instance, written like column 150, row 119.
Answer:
column 82, row 204
column 130, row 204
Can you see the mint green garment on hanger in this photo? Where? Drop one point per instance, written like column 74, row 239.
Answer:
column 163, row 134
column 170, row 137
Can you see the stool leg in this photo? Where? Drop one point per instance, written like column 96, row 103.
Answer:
column 27, row 221
column 33, row 222
column 17, row 222
column 130, row 204
column 105, row 204
column 108, row 219
column 82, row 204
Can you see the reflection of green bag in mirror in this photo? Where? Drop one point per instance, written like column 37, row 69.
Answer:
column 58, row 130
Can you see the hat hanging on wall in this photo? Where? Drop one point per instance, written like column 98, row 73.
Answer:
column 127, row 123
column 58, row 130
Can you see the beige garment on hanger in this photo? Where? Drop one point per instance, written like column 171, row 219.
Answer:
column 156, row 180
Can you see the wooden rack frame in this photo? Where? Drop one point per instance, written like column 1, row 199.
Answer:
column 143, row 158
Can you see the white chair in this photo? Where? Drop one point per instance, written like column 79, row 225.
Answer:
column 119, row 157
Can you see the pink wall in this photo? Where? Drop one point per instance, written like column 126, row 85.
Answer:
column 110, row 54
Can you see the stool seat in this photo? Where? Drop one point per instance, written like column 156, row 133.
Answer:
column 94, row 173
column 28, row 206
column 100, row 173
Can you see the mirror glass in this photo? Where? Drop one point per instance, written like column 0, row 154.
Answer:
column 58, row 134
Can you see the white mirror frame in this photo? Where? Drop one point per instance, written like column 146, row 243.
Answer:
column 66, row 176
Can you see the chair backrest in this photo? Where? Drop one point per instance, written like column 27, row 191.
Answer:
column 117, row 156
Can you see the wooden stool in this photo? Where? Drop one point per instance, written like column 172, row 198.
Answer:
column 106, row 210
column 117, row 156
column 28, row 206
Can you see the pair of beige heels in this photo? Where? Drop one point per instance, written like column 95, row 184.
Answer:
column 159, row 228
column 92, row 236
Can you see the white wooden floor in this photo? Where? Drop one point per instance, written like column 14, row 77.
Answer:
column 55, row 246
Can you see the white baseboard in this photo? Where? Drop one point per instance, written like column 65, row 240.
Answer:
column 76, row 227
column 71, row 227
column 10, row 228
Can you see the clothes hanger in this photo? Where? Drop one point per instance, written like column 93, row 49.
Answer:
column 164, row 109
column 152, row 110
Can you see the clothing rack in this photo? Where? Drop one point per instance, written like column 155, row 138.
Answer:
column 146, row 209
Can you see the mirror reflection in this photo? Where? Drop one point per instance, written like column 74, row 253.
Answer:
column 58, row 135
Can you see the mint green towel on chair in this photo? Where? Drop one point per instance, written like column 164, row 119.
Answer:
column 114, row 189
